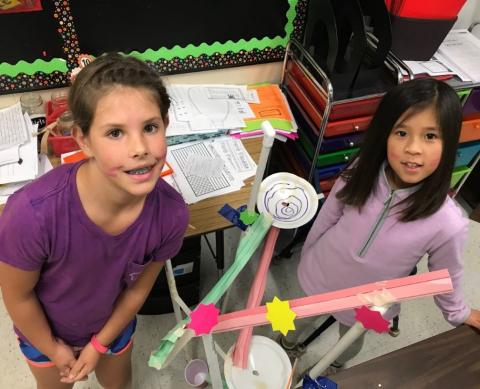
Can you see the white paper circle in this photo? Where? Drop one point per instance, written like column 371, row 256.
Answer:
column 289, row 199
column 268, row 366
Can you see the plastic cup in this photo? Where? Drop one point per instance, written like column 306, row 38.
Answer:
column 196, row 373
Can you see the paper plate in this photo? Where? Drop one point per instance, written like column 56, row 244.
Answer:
column 268, row 366
column 291, row 200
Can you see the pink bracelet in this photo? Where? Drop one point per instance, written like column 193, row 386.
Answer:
column 97, row 345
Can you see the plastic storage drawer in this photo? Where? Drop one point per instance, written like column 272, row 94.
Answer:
column 466, row 153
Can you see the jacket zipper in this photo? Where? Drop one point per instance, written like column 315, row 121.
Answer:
column 376, row 227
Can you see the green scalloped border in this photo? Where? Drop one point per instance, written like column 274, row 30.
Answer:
column 39, row 65
column 222, row 48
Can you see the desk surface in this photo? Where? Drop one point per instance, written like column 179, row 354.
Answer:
column 204, row 215
column 447, row 360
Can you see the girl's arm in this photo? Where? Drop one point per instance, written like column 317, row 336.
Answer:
column 128, row 304
column 448, row 254
column 328, row 216
column 28, row 316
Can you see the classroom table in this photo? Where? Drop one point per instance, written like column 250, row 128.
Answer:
column 448, row 360
column 204, row 216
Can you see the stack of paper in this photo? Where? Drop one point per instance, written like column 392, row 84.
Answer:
column 18, row 151
column 433, row 68
column 211, row 110
column 460, row 51
column 209, row 168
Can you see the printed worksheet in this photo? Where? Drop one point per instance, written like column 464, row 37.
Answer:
column 13, row 130
column 200, row 171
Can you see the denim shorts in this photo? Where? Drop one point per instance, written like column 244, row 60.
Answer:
column 117, row 347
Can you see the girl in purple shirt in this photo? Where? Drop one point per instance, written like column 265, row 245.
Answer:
column 390, row 207
column 81, row 247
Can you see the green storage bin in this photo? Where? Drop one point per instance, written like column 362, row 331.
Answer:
column 457, row 174
column 326, row 159
column 463, row 94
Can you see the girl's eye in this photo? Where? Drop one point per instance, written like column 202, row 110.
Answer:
column 401, row 133
column 151, row 128
column 431, row 136
column 115, row 133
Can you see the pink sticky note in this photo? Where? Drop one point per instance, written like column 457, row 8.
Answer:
column 371, row 320
column 203, row 319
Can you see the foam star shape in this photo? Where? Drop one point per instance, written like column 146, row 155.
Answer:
column 248, row 218
column 371, row 320
column 203, row 319
column 280, row 315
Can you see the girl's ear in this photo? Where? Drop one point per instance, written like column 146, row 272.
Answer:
column 82, row 141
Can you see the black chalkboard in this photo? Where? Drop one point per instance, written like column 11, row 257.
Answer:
column 109, row 25
column 29, row 36
column 171, row 36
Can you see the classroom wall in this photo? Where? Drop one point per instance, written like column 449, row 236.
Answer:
column 269, row 72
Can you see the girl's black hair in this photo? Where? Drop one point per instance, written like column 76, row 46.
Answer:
column 362, row 173
column 106, row 72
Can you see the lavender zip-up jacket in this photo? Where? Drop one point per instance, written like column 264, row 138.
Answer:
column 346, row 248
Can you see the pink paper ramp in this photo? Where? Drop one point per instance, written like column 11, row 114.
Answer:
column 255, row 297
column 406, row 288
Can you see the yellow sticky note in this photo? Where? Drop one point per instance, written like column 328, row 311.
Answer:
column 280, row 315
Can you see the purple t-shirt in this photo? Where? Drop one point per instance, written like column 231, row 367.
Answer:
column 83, row 269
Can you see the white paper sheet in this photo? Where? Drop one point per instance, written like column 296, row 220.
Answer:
column 26, row 168
column 9, row 155
column 207, row 108
column 236, row 156
column 44, row 165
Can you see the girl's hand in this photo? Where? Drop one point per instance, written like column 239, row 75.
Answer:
column 63, row 357
column 85, row 364
column 474, row 319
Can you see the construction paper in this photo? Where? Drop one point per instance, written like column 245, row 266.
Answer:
column 255, row 296
column 246, row 248
column 203, row 318
column 280, row 316
column 371, row 320
column 425, row 284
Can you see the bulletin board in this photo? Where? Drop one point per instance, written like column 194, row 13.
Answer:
column 43, row 44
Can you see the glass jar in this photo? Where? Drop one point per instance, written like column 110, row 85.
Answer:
column 65, row 124
column 32, row 103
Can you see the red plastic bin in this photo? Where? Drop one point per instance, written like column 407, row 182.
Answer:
column 62, row 144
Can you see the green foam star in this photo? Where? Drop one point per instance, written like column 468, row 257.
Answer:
column 248, row 218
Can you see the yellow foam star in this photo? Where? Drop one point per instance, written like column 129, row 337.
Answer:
column 280, row 315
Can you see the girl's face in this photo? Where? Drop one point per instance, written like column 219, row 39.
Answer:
column 414, row 148
column 126, row 142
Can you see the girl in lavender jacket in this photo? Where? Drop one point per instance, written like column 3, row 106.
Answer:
column 390, row 207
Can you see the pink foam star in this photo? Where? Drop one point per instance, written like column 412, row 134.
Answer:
column 371, row 320
column 203, row 319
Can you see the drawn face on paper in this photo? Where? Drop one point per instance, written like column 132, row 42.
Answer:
column 286, row 202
